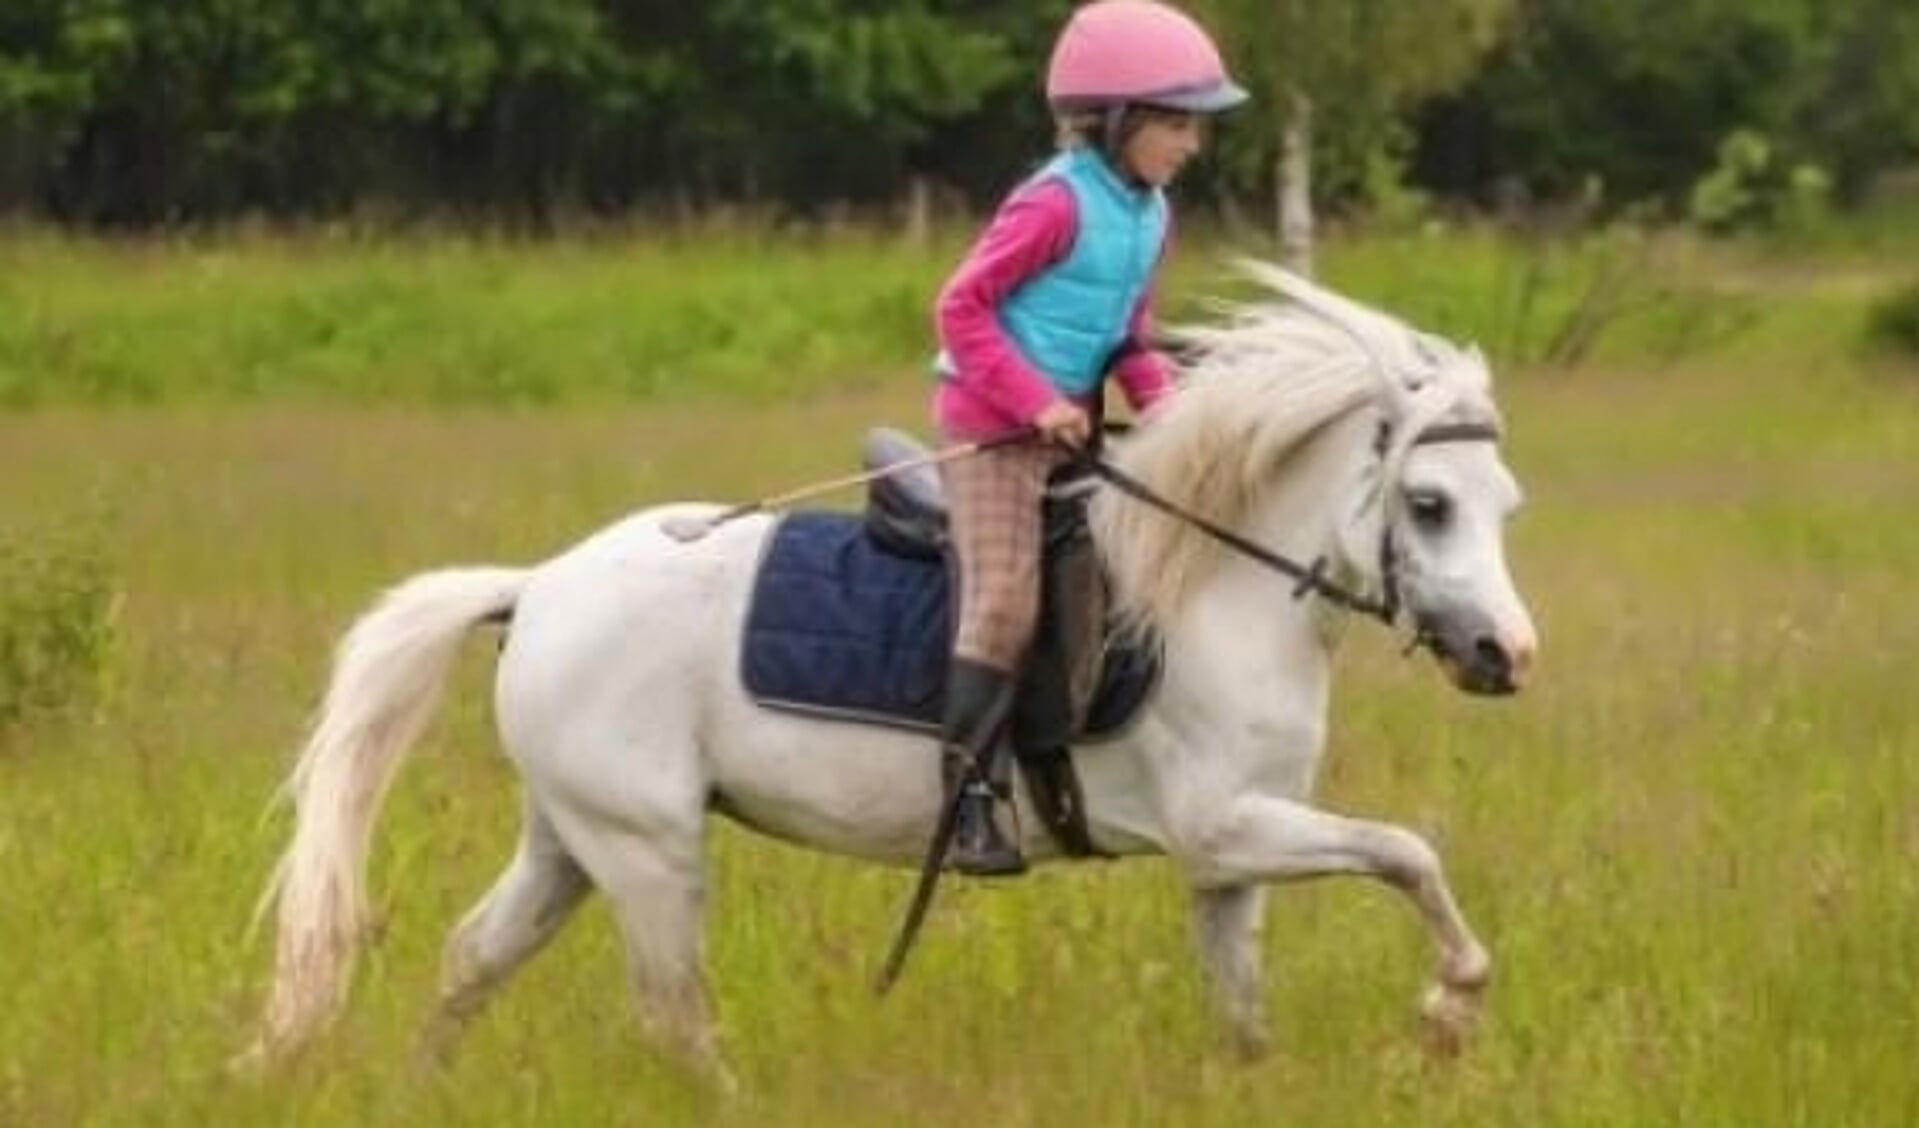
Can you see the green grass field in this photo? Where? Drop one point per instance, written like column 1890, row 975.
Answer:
column 1692, row 846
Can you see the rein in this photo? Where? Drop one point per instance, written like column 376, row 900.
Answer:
column 1308, row 579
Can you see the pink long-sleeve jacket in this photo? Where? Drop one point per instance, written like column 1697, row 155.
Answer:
column 992, row 388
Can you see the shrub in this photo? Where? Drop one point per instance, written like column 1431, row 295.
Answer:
column 1752, row 187
column 1895, row 321
column 57, row 600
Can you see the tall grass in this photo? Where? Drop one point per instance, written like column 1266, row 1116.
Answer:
column 1895, row 320
column 1690, row 846
column 451, row 320
column 740, row 314
column 57, row 598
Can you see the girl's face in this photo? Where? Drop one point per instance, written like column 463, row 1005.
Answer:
column 1161, row 144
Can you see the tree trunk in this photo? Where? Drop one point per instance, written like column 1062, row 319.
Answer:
column 919, row 210
column 1295, row 186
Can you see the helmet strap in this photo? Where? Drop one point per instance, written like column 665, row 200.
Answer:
column 1112, row 131
column 1116, row 128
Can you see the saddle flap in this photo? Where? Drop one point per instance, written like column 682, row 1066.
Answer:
column 905, row 511
column 838, row 628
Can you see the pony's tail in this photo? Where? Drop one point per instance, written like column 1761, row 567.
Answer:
column 387, row 678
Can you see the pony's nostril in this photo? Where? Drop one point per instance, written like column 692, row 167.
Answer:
column 1490, row 656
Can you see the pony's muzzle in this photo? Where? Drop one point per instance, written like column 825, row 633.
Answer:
column 1477, row 658
column 1491, row 671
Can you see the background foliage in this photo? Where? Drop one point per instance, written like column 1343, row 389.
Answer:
column 57, row 602
column 140, row 112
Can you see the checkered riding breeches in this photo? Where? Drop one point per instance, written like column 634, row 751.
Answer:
column 994, row 503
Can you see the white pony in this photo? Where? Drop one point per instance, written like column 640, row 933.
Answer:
column 1313, row 426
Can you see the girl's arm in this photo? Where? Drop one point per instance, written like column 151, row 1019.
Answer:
column 1032, row 230
column 1142, row 373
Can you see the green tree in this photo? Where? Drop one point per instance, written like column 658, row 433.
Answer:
column 1334, row 79
column 1640, row 96
column 861, row 87
column 53, row 57
column 1858, row 113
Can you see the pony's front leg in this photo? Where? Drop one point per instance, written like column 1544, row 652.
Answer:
column 1255, row 838
column 1227, row 922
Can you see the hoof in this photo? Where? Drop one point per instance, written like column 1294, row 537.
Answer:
column 1451, row 1015
column 1250, row 1045
column 436, row 1046
column 263, row 1059
column 1468, row 972
column 252, row 1064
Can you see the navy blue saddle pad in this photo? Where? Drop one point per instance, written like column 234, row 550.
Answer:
column 839, row 627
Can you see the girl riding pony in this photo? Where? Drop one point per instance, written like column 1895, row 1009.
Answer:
column 1055, row 295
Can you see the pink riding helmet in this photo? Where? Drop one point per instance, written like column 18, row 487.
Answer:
column 1116, row 52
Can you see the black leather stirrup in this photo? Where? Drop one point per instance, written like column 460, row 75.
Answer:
column 979, row 704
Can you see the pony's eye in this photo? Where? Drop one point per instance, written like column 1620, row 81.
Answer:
column 1431, row 510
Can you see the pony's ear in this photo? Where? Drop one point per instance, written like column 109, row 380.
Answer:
column 1477, row 358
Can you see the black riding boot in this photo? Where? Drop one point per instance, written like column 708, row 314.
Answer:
column 979, row 701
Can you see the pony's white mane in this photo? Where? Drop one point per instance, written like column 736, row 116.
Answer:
column 1260, row 384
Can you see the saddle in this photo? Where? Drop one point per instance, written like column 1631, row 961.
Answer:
column 851, row 618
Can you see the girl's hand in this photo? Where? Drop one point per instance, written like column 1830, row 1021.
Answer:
column 1064, row 422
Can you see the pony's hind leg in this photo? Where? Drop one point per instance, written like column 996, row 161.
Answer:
column 529, row 902
column 602, row 720
column 654, row 882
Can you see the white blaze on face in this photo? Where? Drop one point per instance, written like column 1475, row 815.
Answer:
column 1454, row 500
